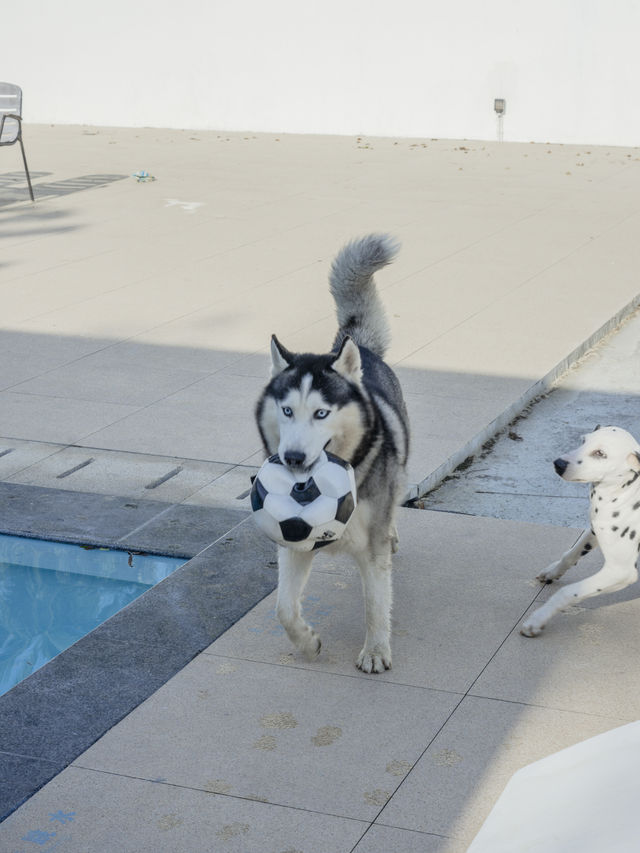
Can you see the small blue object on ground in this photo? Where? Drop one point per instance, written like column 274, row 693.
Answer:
column 142, row 177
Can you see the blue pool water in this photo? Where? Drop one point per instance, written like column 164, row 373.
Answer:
column 52, row 594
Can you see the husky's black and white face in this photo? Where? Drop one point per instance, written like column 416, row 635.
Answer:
column 313, row 403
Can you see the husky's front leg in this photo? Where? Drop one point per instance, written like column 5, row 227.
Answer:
column 293, row 572
column 375, row 572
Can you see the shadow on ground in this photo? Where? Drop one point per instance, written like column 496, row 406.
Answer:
column 106, row 675
column 13, row 186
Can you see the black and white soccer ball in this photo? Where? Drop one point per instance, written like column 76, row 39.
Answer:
column 304, row 515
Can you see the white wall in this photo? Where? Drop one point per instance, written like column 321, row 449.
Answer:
column 569, row 69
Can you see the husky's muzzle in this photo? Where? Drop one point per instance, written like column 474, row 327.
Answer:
column 294, row 458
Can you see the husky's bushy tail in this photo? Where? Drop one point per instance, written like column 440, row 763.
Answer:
column 359, row 308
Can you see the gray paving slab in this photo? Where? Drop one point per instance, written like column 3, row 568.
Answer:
column 108, row 472
column 17, row 456
column 452, row 788
column 138, row 476
column 213, row 421
column 56, row 420
column 91, row 379
column 261, row 738
column 232, row 487
column 585, row 663
column 542, row 508
column 383, row 839
column 68, row 815
column 25, row 357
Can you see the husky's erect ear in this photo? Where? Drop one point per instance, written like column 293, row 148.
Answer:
column 281, row 358
column 634, row 461
column 347, row 363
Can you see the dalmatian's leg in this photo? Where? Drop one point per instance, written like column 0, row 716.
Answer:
column 617, row 573
column 586, row 542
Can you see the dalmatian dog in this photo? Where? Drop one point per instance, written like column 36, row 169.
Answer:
column 609, row 459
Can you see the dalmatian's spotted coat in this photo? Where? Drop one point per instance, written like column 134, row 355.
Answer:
column 609, row 458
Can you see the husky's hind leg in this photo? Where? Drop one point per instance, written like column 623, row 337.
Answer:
column 293, row 572
column 375, row 571
column 395, row 539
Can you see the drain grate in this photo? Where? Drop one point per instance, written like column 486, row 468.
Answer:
column 168, row 476
column 75, row 468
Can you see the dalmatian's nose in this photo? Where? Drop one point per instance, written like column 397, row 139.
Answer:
column 561, row 466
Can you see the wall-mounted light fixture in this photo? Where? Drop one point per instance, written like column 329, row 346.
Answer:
column 500, row 106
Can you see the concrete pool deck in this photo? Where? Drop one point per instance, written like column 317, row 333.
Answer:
column 136, row 320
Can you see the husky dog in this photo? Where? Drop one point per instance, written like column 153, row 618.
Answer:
column 348, row 402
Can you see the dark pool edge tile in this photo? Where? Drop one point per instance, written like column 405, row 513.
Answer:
column 20, row 777
column 111, row 521
column 104, row 676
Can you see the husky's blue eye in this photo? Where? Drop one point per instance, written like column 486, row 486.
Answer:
column 287, row 411
column 321, row 414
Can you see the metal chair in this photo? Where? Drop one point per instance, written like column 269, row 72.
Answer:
column 11, row 122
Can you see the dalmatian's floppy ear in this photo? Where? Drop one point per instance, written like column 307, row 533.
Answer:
column 596, row 428
column 634, row 460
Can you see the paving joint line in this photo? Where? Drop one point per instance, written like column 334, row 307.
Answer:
column 373, row 679
column 466, row 694
column 59, row 446
column 246, row 799
column 555, row 708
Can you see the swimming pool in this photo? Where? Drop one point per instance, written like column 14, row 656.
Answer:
column 52, row 594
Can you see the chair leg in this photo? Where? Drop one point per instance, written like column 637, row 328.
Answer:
column 26, row 169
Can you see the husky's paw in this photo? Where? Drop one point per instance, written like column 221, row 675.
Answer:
column 374, row 660
column 551, row 573
column 311, row 647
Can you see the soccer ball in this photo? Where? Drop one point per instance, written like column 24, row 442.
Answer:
column 304, row 515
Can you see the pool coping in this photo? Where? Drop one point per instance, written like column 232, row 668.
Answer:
column 50, row 718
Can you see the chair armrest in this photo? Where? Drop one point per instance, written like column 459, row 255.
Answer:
column 4, row 116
